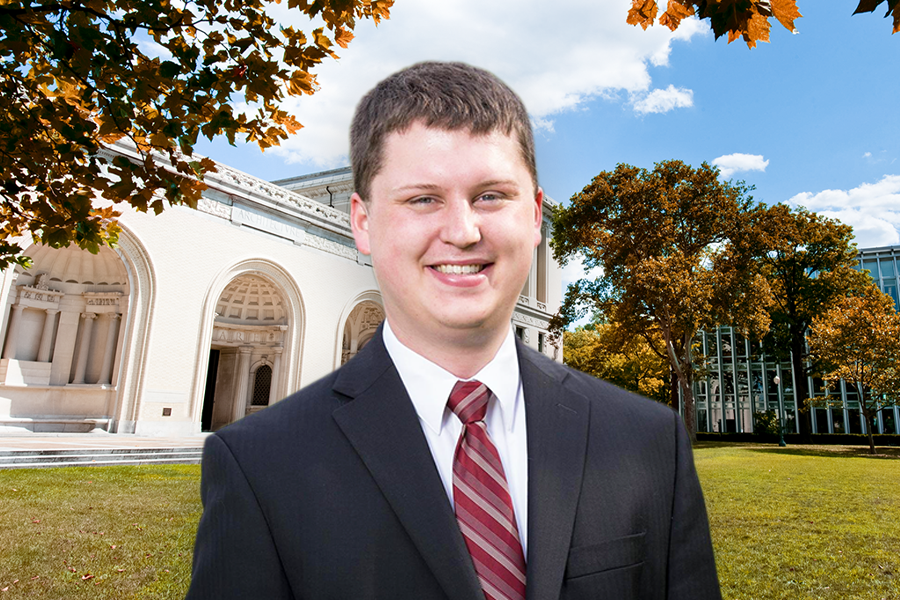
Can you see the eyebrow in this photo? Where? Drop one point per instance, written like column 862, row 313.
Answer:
column 430, row 187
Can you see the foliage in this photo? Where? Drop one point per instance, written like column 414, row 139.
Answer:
column 858, row 340
column 810, row 262
column 802, row 522
column 747, row 19
column 676, row 249
column 156, row 74
column 765, row 421
column 98, row 533
column 607, row 352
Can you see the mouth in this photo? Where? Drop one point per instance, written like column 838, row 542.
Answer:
column 459, row 269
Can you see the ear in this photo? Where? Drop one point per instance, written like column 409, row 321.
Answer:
column 538, row 216
column 359, row 223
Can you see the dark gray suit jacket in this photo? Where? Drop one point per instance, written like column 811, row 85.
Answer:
column 333, row 493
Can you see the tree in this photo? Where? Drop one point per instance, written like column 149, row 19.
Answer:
column 747, row 19
column 605, row 351
column 809, row 261
column 858, row 340
column 77, row 75
column 676, row 251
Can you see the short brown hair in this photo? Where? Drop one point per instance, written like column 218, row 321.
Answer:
column 445, row 95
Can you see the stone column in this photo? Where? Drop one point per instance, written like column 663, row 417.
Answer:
column 85, row 346
column 109, row 354
column 12, row 332
column 276, row 371
column 47, row 335
column 240, row 396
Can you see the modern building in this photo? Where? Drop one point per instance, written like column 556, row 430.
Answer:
column 741, row 382
column 199, row 317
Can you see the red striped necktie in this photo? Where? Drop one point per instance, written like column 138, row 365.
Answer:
column 484, row 508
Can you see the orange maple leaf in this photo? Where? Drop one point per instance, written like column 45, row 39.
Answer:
column 786, row 11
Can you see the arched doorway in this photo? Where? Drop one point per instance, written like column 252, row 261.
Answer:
column 360, row 327
column 245, row 358
column 63, row 338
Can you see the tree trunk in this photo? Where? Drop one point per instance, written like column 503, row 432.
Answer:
column 673, row 388
column 690, row 412
column 867, row 414
column 801, row 391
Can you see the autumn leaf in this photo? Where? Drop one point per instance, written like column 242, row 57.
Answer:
column 738, row 18
column 643, row 13
column 82, row 80
column 786, row 12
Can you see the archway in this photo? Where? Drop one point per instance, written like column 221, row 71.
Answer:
column 249, row 335
column 63, row 338
column 359, row 328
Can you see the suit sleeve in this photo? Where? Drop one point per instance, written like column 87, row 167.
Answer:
column 234, row 554
column 692, row 566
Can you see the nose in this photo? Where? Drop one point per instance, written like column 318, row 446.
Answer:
column 461, row 226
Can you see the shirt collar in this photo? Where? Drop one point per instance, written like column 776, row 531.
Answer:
column 429, row 385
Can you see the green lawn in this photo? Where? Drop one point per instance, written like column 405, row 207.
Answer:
column 803, row 522
column 98, row 532
column 792, row 523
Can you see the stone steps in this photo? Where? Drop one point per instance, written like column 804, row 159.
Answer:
column 31, row 459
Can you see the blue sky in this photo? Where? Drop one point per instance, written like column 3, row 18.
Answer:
column 811, row 118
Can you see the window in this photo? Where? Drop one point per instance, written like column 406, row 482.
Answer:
column 262, row 384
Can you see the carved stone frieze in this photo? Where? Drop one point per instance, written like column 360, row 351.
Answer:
column 330, row 246
column 35, row 297
column 263, row 222
column 279, row 194
column 225, row 334
column 211, row 207
column 101, row 302
column 528, row 320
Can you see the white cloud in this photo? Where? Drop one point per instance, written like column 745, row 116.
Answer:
column 572, row 272
column 555, row 61
column 154, row 50
column 867, row 155
column 661, row 101
column 736, row 163
column 872, row 209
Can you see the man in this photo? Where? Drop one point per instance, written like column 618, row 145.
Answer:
column 531, row 481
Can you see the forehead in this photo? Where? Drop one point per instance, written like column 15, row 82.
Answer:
column 434, row 154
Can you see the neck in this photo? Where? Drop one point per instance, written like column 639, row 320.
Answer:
column 462, row 353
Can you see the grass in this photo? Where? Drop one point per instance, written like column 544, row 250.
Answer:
column 803, row 522
column 797, row 523
column 98, row 532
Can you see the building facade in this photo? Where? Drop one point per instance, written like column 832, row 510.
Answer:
column 740, row 383
column 199, row 317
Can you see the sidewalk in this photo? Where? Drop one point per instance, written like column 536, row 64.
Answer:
column 95, row 441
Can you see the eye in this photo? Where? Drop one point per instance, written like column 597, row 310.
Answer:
column 421, row 201
column 489, row 198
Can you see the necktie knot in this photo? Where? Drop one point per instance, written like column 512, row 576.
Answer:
column 468, row 400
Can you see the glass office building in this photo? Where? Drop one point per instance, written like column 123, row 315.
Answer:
column 739, row 384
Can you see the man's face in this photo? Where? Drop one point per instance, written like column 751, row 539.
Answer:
column 451, row 225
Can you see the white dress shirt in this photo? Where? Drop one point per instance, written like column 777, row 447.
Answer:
column 429, row 387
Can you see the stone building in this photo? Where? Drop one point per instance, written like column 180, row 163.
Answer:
column 199, row 317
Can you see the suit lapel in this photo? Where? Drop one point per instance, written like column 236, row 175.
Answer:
column 383, row 427
column 557, row 425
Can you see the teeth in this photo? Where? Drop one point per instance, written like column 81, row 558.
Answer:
column 459, row 269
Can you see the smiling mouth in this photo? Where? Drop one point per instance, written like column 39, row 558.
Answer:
column 458, row 269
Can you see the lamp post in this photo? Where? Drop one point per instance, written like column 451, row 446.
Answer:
column 781, row 442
